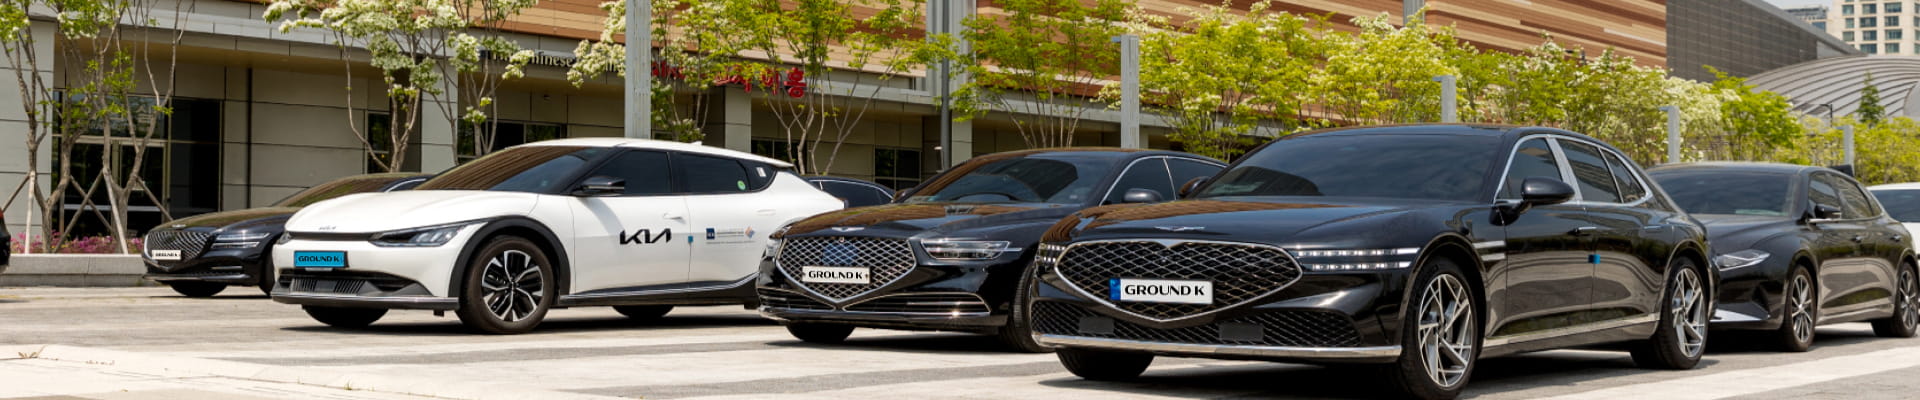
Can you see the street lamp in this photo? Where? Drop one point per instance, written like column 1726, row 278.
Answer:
column 639, row 85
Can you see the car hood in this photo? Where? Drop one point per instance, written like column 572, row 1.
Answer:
column 251, row 216
column 942, row 219
column 1732, row 232
column 375, row 212
column 1271, row 221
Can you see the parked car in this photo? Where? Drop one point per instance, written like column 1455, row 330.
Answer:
column 640, row 225
column 1797, row 247
column 200, row 256
column 1902, row 201
column 1423, row 248
column 855, row 192
column 6, row 244
column 949, row 256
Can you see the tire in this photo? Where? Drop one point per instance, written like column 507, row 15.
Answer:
column 1685, row 310
column 508, row 287
column 197, row 289
column 643, row 313
column 820, row 333
column 1104, row 365
column 1017, row 334
column 1441, row 334
column 1906, row 306
column 1799, row 312
column 267, row 280
column 346, row 318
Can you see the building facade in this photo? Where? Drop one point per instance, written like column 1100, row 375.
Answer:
column 1812, row 15
column 1740, row 38
column 1877, row 26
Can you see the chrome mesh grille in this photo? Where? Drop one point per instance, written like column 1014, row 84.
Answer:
column 1282, row 328
column 925, row 303
column 189, row 243
column 1239, row 272
column 887, row 259
column 789, row 300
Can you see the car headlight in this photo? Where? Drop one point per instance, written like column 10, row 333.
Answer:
column 241, row 240
column 1357, row 260
column 966, row 250
column 285, row 237
column 1740, row 259
column 420, row 237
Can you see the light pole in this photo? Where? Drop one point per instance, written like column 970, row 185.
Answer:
column 1448, row 99
column 639, row 85
column 1673, row 133
column 1129, row 91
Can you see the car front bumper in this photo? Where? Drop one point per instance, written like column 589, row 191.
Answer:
column 374, row 276
column 233, row 267
column 969, row 297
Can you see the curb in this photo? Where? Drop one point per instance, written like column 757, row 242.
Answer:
column 75, row 270
column 231, row 369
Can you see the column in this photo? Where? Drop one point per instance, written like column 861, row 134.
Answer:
column 13, row 136
column 730, row 120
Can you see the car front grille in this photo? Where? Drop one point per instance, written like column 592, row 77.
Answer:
column 923, row 303
column 886, row 259
column 782, row 299
column 1239, row 272
column 332, row 286
column 189, row 243
column 1279, row 328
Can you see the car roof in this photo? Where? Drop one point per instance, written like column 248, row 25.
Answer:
column 1896, row 186
column 1115, row 153
column 661, row 145
column 1738, row 166
column 1418, row 129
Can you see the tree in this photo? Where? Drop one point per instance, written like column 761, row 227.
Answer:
column 1384, row 74
column 1871, row 111
column 686, row 63
column 1224, row 78
column 482, row 58
column 1040, row 61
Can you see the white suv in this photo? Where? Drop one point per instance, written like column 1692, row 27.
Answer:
column 640, row 225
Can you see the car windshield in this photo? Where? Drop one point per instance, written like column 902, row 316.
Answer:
column 1058, row 178
column 536, row 169
column 337, row 188
column 1724, row 192
column 1429, row 167
column 1903, row 205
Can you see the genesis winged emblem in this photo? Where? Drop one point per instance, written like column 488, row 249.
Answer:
column 1180, row 228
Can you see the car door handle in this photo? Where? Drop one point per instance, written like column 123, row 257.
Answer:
column 673, row 216
column 1585, row 231
column 765, row 212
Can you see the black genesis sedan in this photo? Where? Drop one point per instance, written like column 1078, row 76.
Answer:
column 1797, row 247
column 1421, row 248
column 200, row 256
column 855, row 192
column 950, row 254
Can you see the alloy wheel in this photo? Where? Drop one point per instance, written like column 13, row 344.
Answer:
column 1800, row 304
column 1446, row 330
column 512, row 286
column 1689, row 305
column 1909, row 299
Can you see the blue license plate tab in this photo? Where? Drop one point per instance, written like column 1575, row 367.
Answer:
column 320, row 259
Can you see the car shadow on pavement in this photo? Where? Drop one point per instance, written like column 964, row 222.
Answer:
column 1283, row 380
column 1757, row 342
column 912, row 343
column 450, row 325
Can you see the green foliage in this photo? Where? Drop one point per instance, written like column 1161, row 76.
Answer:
column 1871, row 111
column 1229, row 77
column 1039, row 61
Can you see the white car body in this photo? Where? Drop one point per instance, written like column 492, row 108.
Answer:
column 653, row 249
column 1913, row 227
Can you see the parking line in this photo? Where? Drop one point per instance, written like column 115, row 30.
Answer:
column 1757, row 380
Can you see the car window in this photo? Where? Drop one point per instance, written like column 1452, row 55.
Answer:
column 855, row 195
column 1150, row 174
column 1416, row 166
column 537, row 169
column 1058, row 178
column 407, row 184
column 335, row 188
column 1532, row 159
column 1858, row 204
column 1185, row 170
column 704, row 174
column 1728, row 192
column 1902, row 205
column 1631, row 189
column 1823, row 193
column 1590, row 171
column 646, row 172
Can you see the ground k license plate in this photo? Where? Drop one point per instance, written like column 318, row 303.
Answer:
column 320, row 259
column 164, row 255
column 1160, row 291
column 848, row 275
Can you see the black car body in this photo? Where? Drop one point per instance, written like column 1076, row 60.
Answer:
column 949, row 255
column 201, row 255
column 1327, row 247
column 855, row 192
column 1796, row 246
column 6, row 244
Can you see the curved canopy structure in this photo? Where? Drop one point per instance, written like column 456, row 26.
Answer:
column 1838, row 81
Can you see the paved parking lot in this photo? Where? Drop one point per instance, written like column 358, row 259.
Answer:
column 147, row 343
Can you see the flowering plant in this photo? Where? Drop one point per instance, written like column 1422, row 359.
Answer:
column 66, row 245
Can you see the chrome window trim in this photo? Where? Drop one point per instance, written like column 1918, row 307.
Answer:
column 1257, row 351
column 1169, row 243
column 1566, row 171
column 1856, row 185
column 1163, row 164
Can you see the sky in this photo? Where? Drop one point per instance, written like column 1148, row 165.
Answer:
column 1797, row 3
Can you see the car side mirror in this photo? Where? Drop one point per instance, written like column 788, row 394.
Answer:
column 1140, row 196
column 1544, row 191
column 1191, row 185
column 1822, row 212
column 601, row 186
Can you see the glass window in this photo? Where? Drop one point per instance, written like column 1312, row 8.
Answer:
column 1869, row 22
column 1847, row 36
column 1892, row 7
column 1870, row 35
column 1870, row 48
column 1590, row 170
column 1185, row 170
column 339, row 187
column 1902, row 205
column 1058, row 178
column 1533, row 159
column 1846, row 9
column 1857, row 203
column 704, row 174
column 1893, row 48
column 645, row 172
column 1850, row 23
column 1724, row 192
column 1422, row 167
column 1870, row 8
column 777, row 149
column 1895, row 34
column 1149, row 174
column 1631, row 189
column 896, row 168
column 856, row 195
column 1892, row 21
column 542, row 169
column 1822, row 193
column 507, row 134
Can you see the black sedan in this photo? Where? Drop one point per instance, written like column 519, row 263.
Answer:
column 950, row 254
column 200, row 256
column 1422, row 248
column 855, row 192
column 6, row 244
column 1797, row 247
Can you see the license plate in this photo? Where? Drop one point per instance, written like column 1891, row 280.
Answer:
column 320, row 259
column 164, row 255
column 851, row 275
column 1160, row 291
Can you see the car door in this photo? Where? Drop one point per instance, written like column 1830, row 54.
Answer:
column 1623, row 283
column 636, row 241
column 1547, row 274
column 731, row 216
column 1863, row 279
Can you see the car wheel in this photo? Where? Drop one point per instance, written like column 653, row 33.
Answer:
column 1104, row 365
column 643, row 313
column 1682, row 334
column 267, row 281
column 507, row 287
column 1796, row 330
column 1442, row 337
column 197, row 289
column 820, row 333
column 349, row 318
column 1906, row 307
column 1017, row 334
